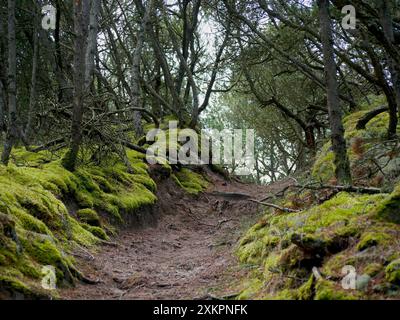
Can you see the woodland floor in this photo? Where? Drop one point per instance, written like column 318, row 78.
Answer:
column 187, row 252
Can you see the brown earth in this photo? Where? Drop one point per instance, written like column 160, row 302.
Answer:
column 185, row 252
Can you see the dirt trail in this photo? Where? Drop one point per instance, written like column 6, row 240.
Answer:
column 182, row 255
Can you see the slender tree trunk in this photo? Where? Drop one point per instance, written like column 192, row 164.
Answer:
column 92, row 42
column 12, row 132
column 64, row 92
column 162, row 60
column 155, row 104
column 3, row 93
column 387, row 25
column 135, row 85
column 32, row 96
column 341, row 161
column 2, row 107
column 81, row 15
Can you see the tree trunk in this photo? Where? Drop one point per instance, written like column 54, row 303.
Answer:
column 3, row 91
column 64, row 93
column 12, row 132
column 135, row 86
column 81, row 15
column 387, row 26
column 342, row 170
column 2, row 107
column 92, row 42
column 32, row 96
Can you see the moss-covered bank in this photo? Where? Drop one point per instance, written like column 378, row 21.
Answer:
column 347, row 230
column 306, row 255
column 47, row 211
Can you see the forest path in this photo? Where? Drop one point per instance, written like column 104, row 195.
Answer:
column 185, row 253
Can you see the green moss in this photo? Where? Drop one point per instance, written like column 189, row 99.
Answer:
column 3, row 260
column 334, row 264
column 332, row 226
column 190, row 181
column 272, row 262
column 30, row 159
column 370, row 239
column 89, row 216
column 337, row 211
column 15, row 286
column 80, row 235
column 252, row 287
column 392, row 272
column 285, row 294
column 43, row 251
column 324, row 169
column 389, row 209
column 306, row 291
column 31, row 223
column 327, row 290
column 373, row 269
column 342, row 227
column 97, row 231
column 290, row 258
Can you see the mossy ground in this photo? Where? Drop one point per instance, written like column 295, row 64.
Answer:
column 347, row 230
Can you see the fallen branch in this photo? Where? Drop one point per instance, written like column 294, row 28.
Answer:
column 81, row 277
column 109, row 243
column 267, row 204
column 366, row 190
column 145, row 111
column 132, row 146
column 49, row 144
column 247, row 197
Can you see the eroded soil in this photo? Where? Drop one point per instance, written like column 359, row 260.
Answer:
column 185, row 253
